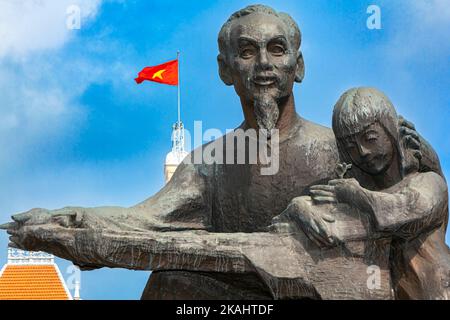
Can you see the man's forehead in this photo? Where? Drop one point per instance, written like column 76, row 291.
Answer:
column 258, row 26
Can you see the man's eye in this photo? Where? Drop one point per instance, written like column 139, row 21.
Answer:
column 350, row 145
column 277, row 50
column 247, row 53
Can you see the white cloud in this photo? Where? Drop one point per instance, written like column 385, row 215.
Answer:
column 31, row 111
column 423, row 29
column 434, row 13
column 30, row 25
column 38, row 102
column 432, row 22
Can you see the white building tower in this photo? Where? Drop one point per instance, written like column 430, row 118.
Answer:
column 174, row 157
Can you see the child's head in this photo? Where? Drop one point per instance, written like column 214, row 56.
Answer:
column 366, row 128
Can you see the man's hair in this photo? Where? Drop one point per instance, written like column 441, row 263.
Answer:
column 294, row 33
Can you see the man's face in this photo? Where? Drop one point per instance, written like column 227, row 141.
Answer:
column 261, row 58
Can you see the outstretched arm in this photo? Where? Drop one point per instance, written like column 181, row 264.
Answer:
column 180, row 205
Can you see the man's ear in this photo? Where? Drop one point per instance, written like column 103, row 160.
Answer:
column 224, row 71
column 300, row 72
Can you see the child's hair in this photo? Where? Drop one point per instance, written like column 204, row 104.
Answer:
column 357, row 109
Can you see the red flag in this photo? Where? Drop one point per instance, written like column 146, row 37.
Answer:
column 166, row 73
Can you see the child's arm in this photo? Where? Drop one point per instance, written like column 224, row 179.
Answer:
column 418, row 207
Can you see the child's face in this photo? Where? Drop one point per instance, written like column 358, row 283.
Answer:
column 370, row 149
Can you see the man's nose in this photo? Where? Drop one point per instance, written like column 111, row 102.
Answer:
column 264, row 61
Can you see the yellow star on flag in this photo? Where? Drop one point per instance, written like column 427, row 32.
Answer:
column 158, row 74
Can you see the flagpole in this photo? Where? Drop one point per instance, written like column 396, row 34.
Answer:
column 178, row 69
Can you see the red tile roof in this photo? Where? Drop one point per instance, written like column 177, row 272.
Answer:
column 31, row 282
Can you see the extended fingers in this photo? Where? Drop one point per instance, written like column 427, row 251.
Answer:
column 321, row 193
column 24, row 238
column 21, row 217
column 323, row 187
column 405, row 131
column 63, row 212
column 412, row 142
column 319, row 238
column 417, row 154
column 13, row 231
column 63, row 220
column 11, row 228
column 13, row 245
column 324, row 199
column 9, row 225
column 15, row 239
column 335, row 182
column 405, row 123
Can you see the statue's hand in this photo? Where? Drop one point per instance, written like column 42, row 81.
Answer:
column 349, row 191
column 52, row 231
column 23, row 223
column 409, row 136
column 315, row 224
column 338, row 190
column 321, row 194
column 346, row 190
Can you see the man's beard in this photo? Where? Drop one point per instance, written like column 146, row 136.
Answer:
column 266, row 112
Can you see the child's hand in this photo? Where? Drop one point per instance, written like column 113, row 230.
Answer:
column 409, row 136
column 326, row 193
column 339, row 190
column 323, row 194
column 349, row 191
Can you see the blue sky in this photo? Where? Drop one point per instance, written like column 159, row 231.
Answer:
column 75, row 129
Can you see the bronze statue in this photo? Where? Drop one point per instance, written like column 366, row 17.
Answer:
column 404, row 205
column 208, row 233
